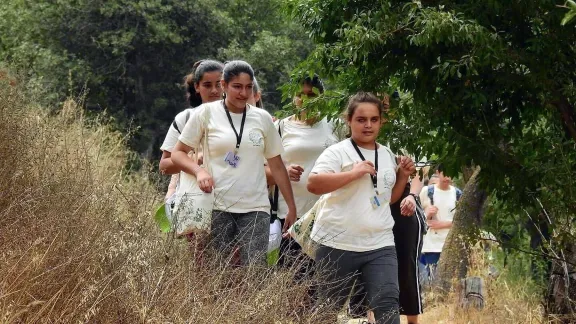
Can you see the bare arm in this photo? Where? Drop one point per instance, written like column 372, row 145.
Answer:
column 280, row 175
column 185, row 163
column 166, row 165
column 321, row 183
column 172, row 186
column 399, row 186
column 269, row 178
column 405, row 169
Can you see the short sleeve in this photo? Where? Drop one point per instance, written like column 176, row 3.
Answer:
column 273, row 143
column 328, row 162
column 424, row 197
column 173, row 133
column 192, row 132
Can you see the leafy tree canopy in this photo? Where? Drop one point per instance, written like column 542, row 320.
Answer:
column 133, row 55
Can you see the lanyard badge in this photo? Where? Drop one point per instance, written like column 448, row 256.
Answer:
column 375, row 201
column 232, row 157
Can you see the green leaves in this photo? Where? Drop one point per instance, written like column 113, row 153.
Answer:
column 571, row 5
column 162, row 219
column 478, row 82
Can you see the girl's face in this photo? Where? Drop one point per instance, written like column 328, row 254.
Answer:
column 254, row 98
column 365, row 123
column 209, row 86
column 238, row 90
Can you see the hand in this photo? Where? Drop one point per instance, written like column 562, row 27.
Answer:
column 298, row 101
column 408, row 206
column 431, row 212
column 288, row 221
column 361, row 168
column 294, row 172
column 205, row 181
column 435, row 224
column 406, row 165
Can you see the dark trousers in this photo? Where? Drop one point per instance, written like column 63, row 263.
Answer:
column 376, row 270
column 408, row 237
column 247, row 231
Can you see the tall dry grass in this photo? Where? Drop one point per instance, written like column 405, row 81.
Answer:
column 78, row 243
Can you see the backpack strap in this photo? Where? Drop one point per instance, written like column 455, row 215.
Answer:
column 431, row 194
column 458, row 194
column 274, row 203
column 176, row 125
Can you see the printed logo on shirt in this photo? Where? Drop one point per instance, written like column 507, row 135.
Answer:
column 388, row 177
column 329, row 142
column 256, row 137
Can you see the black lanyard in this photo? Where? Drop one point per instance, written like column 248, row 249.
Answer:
column 373, row 177
column 238, row 136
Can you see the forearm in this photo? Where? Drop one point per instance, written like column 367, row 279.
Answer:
column 321, row 183
column 183, row 162
column 280, row 178
column 167, row 166
column 399, row 186
column 269, row 177
column 445, row 224
column 416, row 185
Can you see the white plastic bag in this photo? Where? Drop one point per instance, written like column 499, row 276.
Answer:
column 273, row 253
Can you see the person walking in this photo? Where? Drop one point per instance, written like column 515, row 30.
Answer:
column 239, row 137
column 354, row 227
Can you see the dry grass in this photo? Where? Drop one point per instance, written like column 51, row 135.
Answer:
column 506, row 301
column 78, row 243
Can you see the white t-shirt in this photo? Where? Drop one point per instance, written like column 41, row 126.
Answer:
column 173, row 133
column 347, row 220
column 238, row 189
column 445, row 201
column 303, row 144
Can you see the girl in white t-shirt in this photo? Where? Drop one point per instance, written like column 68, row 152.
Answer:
column 361, row 178
column 202, row 85
column 239, row 136
column 303, row 139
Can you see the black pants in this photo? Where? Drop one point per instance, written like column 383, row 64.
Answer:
column 292, row 256
column 376, row 270
column 408, row 235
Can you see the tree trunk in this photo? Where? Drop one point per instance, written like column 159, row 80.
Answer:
column 561, row 296
column 454, row 259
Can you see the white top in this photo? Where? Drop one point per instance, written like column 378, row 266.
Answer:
column 241, row 189
column 445, row 201
column 303, row 144
column 348, row 221
column 173, row 134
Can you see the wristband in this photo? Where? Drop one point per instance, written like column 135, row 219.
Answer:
column 413, row 195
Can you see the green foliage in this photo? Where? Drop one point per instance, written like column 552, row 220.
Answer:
column 479, row 82
column 133, row 55
column 571, row 14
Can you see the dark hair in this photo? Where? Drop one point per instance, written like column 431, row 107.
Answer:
column 314, row 82
column 255, row 90
column 440, row 168
column 198, row 70
column 362, row 97
column 233, row 69
column 358, row 98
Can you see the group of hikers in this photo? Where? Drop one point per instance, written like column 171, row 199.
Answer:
column 379, row 230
